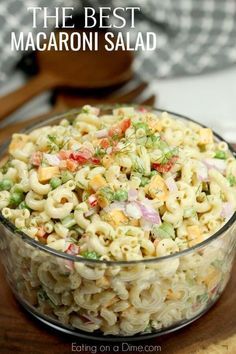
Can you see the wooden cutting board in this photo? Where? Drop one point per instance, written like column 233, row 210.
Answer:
column 214, row 333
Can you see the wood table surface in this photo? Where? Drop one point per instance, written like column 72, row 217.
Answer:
column 215, row 332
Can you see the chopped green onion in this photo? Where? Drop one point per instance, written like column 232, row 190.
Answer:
column 163, row 145
column 137, row 165
column 106, row 192
column 55, row 182
column 140, row 125
column 42, row 295
column 220, row 155
column 144, row 181
column 6, row 184
column 90, row 255
column 68, row 221
column 99, row 152
column 166, row 230
column 153, row 173
column 6, row 166
column 66, row 176
column 232, row 180
column 52, row 138
column 167, row 155
column 23, row 205
column 78, row 229
column 189, row 213
column 121, row 195
column 148, row 329
column 152, row 141
column 202, row 298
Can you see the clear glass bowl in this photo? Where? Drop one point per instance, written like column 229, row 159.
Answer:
column 137, row 299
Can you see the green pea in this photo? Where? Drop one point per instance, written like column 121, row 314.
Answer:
column 121, row 195
column 17, row 189
column 6, row 184
column 55, row 182
column 16, row 199
column 91, row 255
column 66, row 176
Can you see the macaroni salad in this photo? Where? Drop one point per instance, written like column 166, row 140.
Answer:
column 126, row 186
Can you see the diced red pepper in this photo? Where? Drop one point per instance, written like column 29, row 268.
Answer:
column 41, row 233
column 105, row 143
column 81, row 156
column 163, row 168
column 95, row 160
column 71, row 165
column 36, row 158
column 120, row 129
column 64, row 154
column 115, row 131
column 125, row 124
column 72, row 249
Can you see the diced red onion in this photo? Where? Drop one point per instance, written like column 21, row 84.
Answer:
column 116, row 205
column 172, row 186
column 133, row 210
column 72, row 250
column 91, row 319
column 132, row 195
column 92, row 200
column 137, row 210
column 227, row 210
column 150, row 214
column 101, row 133
column 69, row 264
column 53, row 160
column 218, row 164
column 202, row 173
column 146, row 225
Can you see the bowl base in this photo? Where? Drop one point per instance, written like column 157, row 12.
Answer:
column 109, row 338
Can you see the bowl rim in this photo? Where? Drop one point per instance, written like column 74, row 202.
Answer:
column 11, row 227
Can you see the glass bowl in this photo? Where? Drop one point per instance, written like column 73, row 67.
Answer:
column 126, row 300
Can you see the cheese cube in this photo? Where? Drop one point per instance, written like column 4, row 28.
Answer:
column 97, row 182
column 46, row 173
